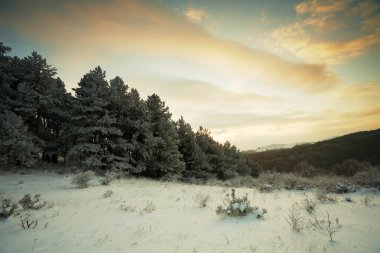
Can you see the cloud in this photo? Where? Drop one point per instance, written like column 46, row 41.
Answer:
column 371, row 23
column 195, row 15
column 308, row 39
column 323, row 23
column 365, row 8
column 194, row 97
column 296, row 40
column 102, row 32
column 365, row 91
column 317, row 7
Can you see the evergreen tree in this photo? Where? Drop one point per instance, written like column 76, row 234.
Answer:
column 194, row 158
column 164, row 156
column 118, row 99
column 117, row 106
column 17, row 146
column 135, row 126
column 5, row 78
column 97, row 142
column 215, row 154
column 34, row 80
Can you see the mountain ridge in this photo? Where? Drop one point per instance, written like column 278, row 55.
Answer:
column 362, row 146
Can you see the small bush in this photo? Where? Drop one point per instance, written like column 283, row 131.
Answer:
column 309, row 205
column 108, row 194
column 323, row 197
column 109, row 176
column 81, row 178
column 27, row 202
column 127, row 208
column 202, row 199
column 149, row 208
column 293, row 182
column 348, row 199
column 327, row 226
column 28, row 221
column 266, row 188
column 237, row 206
column 367, row 200
column 330, row 228
column 7, row 208
column 294, row 219
column 275, row 180
column 350, row 167
column 369, row 177
column 305, row 169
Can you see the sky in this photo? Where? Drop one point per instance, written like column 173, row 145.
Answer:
column 254, row 73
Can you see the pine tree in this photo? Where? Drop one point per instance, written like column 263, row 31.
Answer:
column 194, row 158
column 34, row 80
column 5, row 79
column 216, row 157
column 97, row 142
column 117, row 107
column 136, row 129
column 164, row 156
column 17, row 146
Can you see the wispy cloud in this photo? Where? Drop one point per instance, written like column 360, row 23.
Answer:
column 150, row 30
column 308, row 39
column 195, row 15
column 318, row 7
column 365, row 8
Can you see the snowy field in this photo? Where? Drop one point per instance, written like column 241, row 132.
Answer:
column 151, row 216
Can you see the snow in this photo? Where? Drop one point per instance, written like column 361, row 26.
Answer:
column 150, row 216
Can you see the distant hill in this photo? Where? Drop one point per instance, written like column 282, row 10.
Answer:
column 278, row 146
column 362, row 146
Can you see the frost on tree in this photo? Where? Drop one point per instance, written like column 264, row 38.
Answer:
column 16, row 144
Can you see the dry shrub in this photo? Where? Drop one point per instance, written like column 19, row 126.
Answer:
column 294, row 219
column 242, row 181
column 323, row 197
column 29, row 202
column 109, row 176
column 271, row 178
column 290, row 181
column 294, row 182
column 28, row 221
column 149, row 208
column 127, row 208
column 330, row 228
column 305, row 169
column 108, row 194
column 82, row 178
column 8, row 207
column 202, row 199
column 235, row 206
column 350, row 167
column 369, row 177
column 309, row 205
column 367, row 200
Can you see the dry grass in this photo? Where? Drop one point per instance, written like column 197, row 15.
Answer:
column 294, row 219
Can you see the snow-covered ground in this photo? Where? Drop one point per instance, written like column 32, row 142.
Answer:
column 151, row 216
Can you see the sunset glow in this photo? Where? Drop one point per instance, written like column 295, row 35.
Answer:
column 253, row 72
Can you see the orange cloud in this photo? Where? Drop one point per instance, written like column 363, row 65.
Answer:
column 365, row 8
column 316, row 7
column 304, row 37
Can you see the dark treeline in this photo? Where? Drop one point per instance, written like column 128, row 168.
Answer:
column 324, row 155
column 105, row 126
